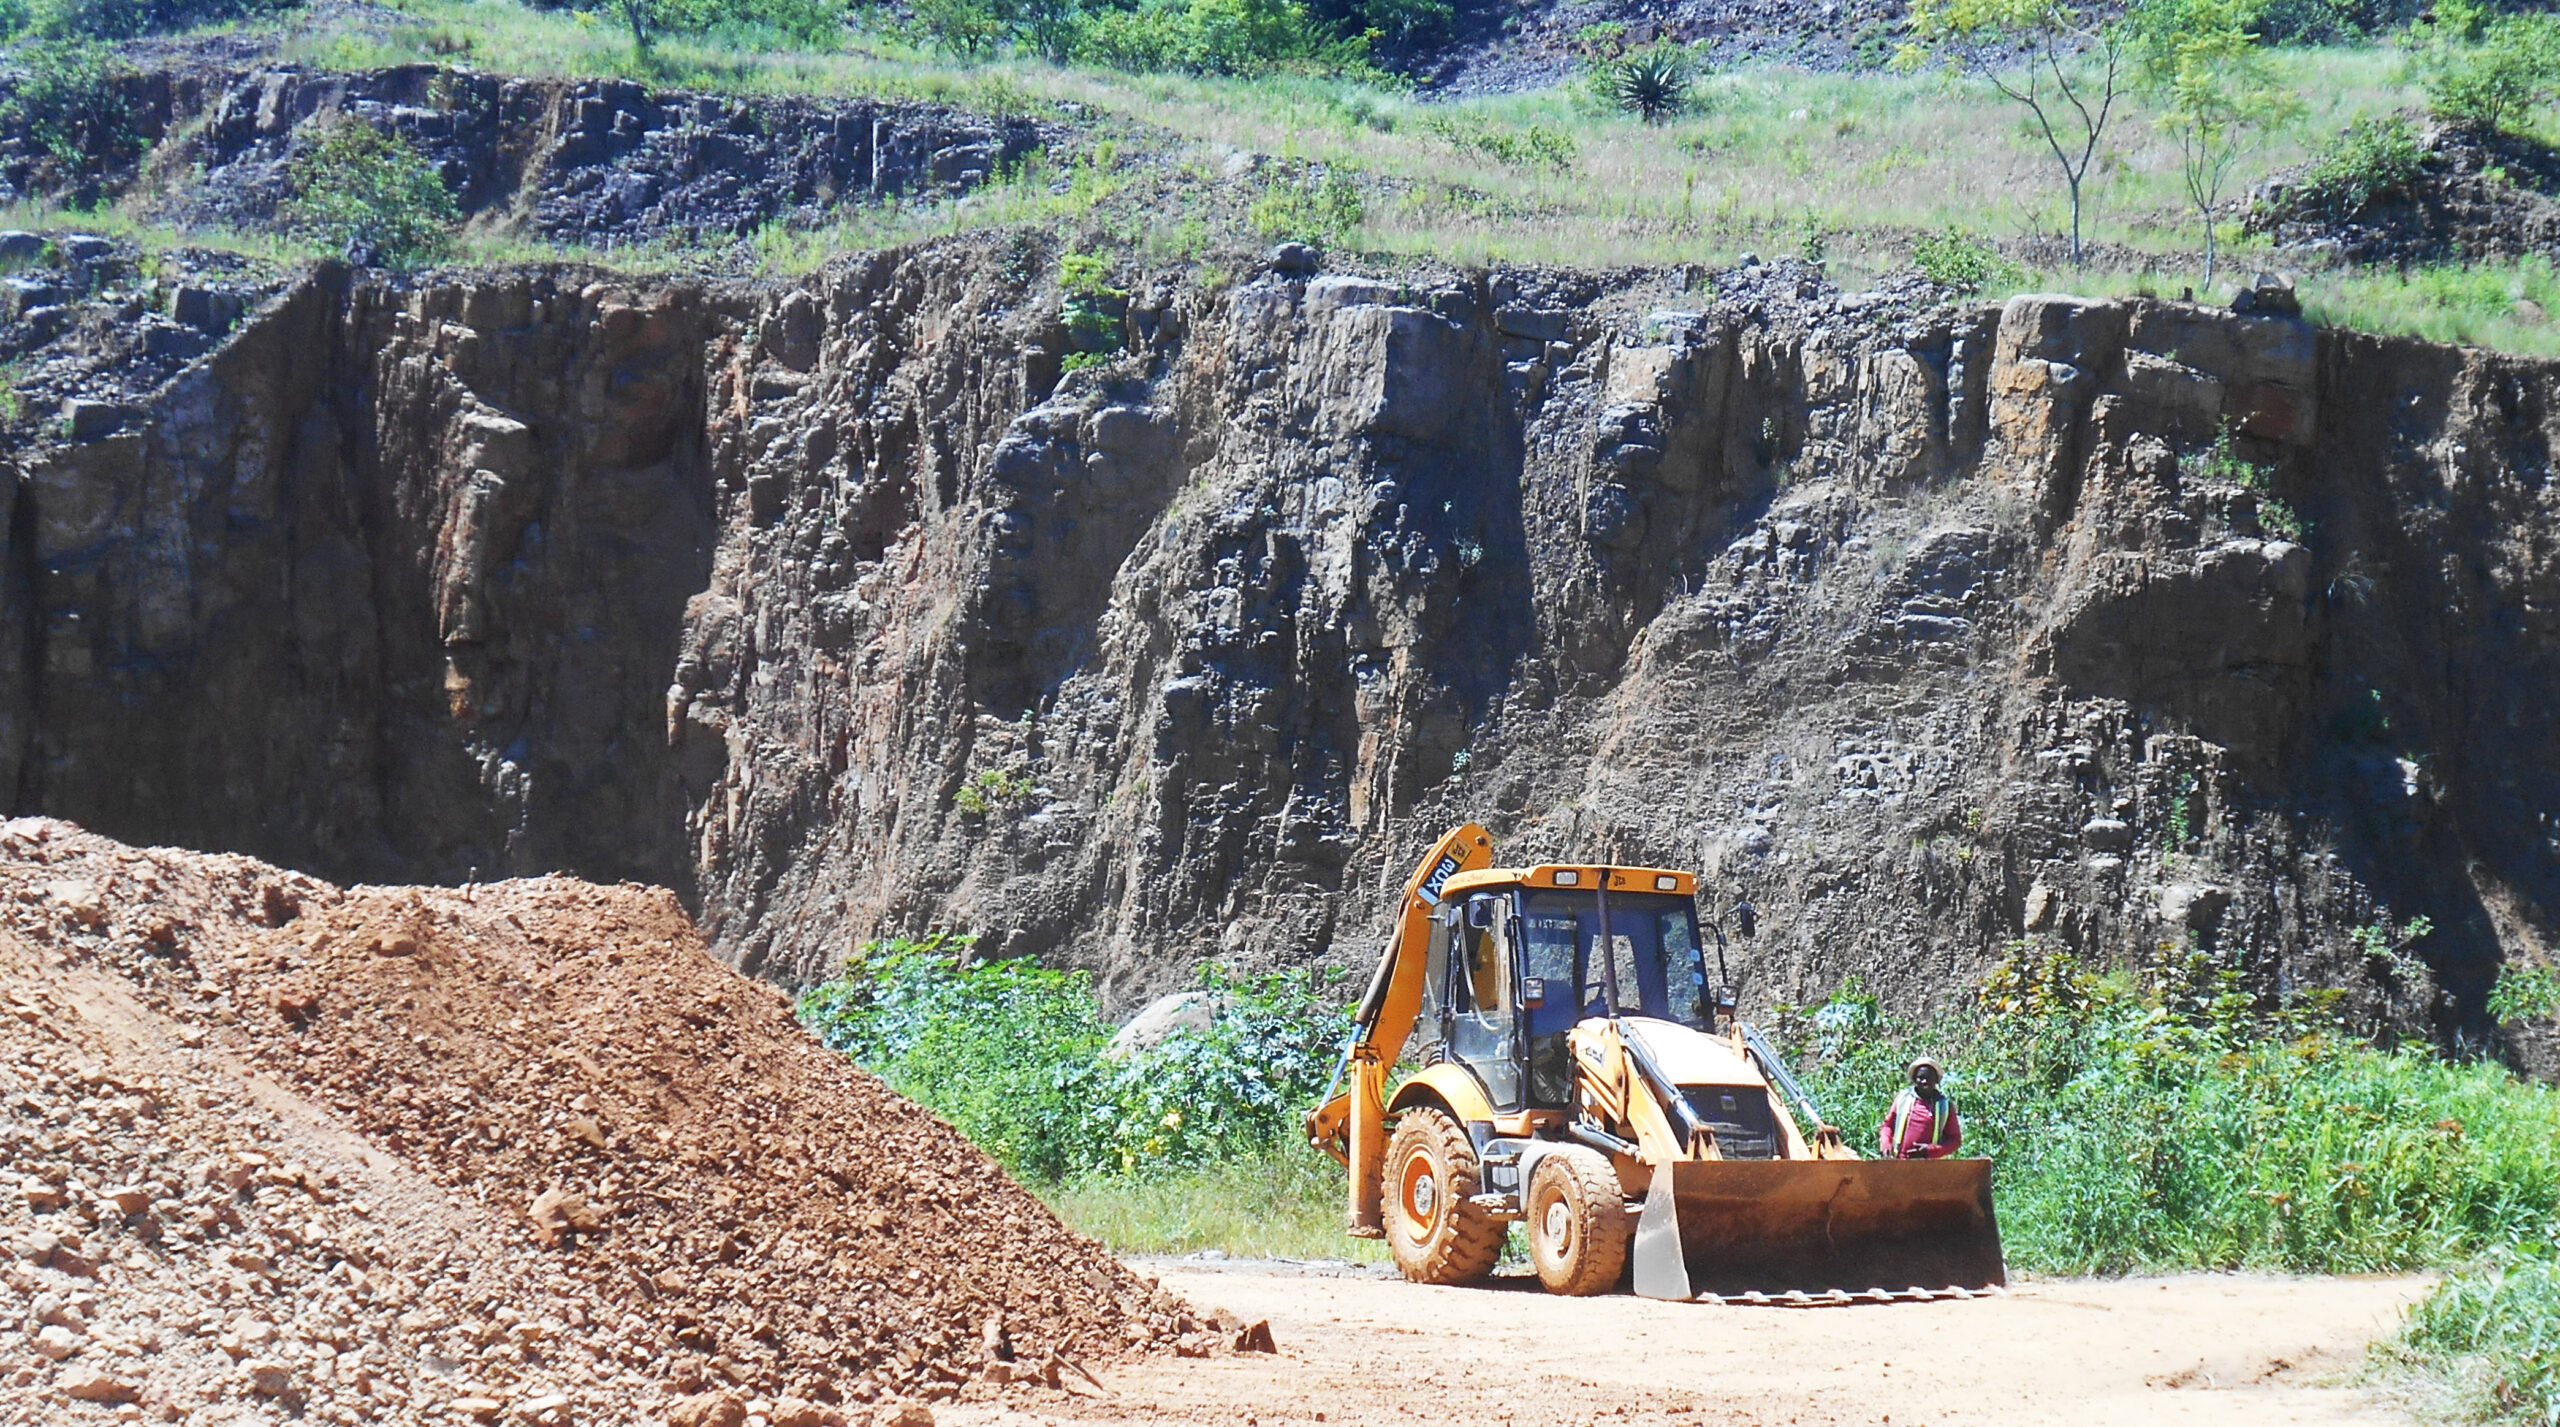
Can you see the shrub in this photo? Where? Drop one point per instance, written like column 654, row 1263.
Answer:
column 2295, row 22
column 2493, row 1333
column 1237, row 37
column 68, row 101
column 1325, row 211
column 1954, row 260
column 124, row 19
column 2170, row 1121
column 1092, row 307
column 991, row 787
column 1013, row 1054
column 1538, row 146
column 2377, row 155
column 2488, row 72
column 1652, row 83
column 1400, row 23
column 1234, row 37
column 799, row 22
column 986, row 1045
column 370, row 195
column 2525, row 993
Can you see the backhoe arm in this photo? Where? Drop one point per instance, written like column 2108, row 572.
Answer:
column 1351, row 1124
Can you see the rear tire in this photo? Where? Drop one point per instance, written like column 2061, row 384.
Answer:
column 1577, row 1223
column 1436, row 1233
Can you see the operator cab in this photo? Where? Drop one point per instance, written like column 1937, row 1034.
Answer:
column 1516, row 960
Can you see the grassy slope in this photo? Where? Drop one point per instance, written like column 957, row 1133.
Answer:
column 1772, row 161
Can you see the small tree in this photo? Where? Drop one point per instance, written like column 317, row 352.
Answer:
column 2062, row 64
column 642, row 16
column 2201, row 62
column 2485, row 71
column 371, row 194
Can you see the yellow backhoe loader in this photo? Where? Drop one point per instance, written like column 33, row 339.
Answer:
column 1581, row 1071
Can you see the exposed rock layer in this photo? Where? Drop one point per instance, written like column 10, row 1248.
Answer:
column 837, row 608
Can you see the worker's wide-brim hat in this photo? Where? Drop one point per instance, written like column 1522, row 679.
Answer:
column 1919, row 1061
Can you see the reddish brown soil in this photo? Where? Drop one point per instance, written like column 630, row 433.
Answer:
column 518, row 1150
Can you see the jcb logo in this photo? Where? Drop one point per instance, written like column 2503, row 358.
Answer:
column 1441, row 872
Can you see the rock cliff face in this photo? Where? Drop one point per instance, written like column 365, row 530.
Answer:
column 840, row 609
column 597, row 162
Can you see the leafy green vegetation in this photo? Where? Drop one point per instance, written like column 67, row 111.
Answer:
column 992, row 788
column 68, row 100
column 2169, row 1121
column 1955, row 260
column 2216, row 93
column 2165, row 1120
column 1093, row 309
column 1652, row 83
column 2476, row 66
column 1224, row 37
column 370, row 194
column 2525, row 993
column 1324, row 211
column 1283, row 1203
column 2377, row 155
column 1017, row 1057
column 2491, row 1337
column 123, row 19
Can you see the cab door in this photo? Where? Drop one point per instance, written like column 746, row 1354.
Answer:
column 1484, row 1003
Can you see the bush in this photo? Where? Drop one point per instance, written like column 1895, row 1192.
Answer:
column 1324, row 212
column 2487, row 72
column 2173, row 1124
column 803, row 22
column 2525, row 993
column 1537, row 146
column 1237, row 37
column 2377, row 155
column 370, row 195
column 1232, row 37
column 1092, row 307
column 1012, row 1054
column 2493, row 1333
column 124, row 19
column 68, row 101
column 2310, row 22
column 1954, row 260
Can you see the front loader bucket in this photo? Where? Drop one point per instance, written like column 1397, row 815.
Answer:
column 1818, row 1227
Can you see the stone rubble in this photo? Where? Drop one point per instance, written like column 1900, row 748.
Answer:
column 550, row 1165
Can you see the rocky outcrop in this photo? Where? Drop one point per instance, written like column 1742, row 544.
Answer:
column 839, row 607
column 603, row 163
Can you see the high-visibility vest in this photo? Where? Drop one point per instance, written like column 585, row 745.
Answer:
column 1939, row 1115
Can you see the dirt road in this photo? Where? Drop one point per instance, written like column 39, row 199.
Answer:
column 2198, row 1349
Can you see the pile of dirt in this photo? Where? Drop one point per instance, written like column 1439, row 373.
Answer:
column 2478, row 194
column 518, row 1151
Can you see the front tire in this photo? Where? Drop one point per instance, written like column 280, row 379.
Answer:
column 1577, row 1223
column 1436, row 1231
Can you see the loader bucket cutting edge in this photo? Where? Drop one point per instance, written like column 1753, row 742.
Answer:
column 1734, row 1227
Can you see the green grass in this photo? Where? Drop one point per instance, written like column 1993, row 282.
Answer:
column 1879, row 156
column 1287, row 1203
column 2169, row 1123
column 1871, row 162
column 2485, row 1345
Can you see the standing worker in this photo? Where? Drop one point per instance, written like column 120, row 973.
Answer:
column 1921, row 1124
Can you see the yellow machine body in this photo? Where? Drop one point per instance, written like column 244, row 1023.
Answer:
column 1712, row 1185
